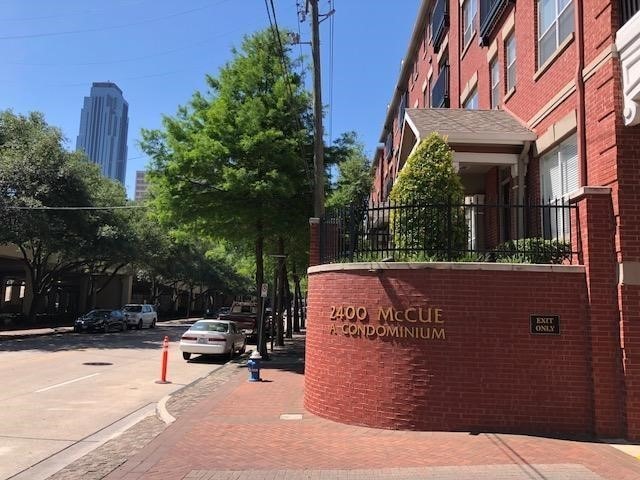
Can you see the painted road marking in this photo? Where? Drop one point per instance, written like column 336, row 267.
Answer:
column 66, row 383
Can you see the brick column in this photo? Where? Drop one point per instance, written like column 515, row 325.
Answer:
column 314, row 242
column 596, row 226
column 629, row 297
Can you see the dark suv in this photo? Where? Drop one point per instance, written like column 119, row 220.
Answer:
column 101, row 320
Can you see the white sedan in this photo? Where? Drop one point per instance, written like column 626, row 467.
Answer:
column 213, row 337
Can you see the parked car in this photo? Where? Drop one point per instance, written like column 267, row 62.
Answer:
column 101, row 320
column 140, row 315
column 213, row 337
column 215, row 312
column 244, row 314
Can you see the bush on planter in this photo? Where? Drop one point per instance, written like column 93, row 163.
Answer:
column 533, row 250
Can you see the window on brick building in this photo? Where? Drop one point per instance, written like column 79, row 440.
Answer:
column 426, row 100
column 494, row 71
column 559, row 176
column 401, row 108
column 471, row 102
column 469, row 11
column 427, row 35
column 555, row 23
column 510, row 60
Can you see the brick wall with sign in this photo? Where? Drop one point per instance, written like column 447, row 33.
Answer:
column 488, row 373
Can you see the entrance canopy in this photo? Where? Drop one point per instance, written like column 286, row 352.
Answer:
column 480, row 139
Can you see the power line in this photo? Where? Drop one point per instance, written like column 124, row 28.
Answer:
column 124, row 60
column 114, row 207
column 113, row 27
column 62, row 15
column 285, row 72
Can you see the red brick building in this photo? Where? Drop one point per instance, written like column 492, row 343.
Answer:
column 540, row 101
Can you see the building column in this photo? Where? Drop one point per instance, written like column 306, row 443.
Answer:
column 126, row 281
column 629, row 301
column 596, row 231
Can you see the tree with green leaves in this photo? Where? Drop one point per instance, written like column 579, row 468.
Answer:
column 355, row 177
column 170, row 260
column 39, row 181
column 427, row 218
column 233, row 163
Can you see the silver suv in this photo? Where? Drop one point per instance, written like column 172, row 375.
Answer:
column 140, row 315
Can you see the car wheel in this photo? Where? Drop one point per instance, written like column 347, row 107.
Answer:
column 186, row 355
column 244, row 348
column 232, row 351
column 139, row 326
column 153, row 323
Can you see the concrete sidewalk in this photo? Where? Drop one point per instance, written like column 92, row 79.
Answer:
column 229, row 428
column 242, row 430
column 33, row 332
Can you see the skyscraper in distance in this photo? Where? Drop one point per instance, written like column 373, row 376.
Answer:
column 142, row 185
column 104, row 123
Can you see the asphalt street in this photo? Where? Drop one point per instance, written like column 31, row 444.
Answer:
column 65, row 394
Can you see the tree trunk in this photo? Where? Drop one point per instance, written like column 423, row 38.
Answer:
column 174, row 298
column 262, row 338
column 289, row 329
column 302, row 305
column 92, row 292
column 189, row 301
column 37, row 291
column 274, row 303
column 281, row 279
column 296, row 303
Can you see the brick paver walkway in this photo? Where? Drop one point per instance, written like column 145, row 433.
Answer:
column 237, row 432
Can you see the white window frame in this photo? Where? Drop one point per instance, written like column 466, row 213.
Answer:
column 510, row 62
column 563, row 8
column 469, row 12
column 471, row 102
column 559, row 171
column 426, row 96
column 494, row 75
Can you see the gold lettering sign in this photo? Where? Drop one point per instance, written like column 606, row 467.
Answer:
column 412, row 322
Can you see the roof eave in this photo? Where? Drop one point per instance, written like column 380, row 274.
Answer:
column 414, row 42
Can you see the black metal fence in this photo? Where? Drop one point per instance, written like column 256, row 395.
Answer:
column 469, row 231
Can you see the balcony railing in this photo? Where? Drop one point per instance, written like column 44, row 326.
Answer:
column 490, row 13
column 628, row 8
column 541, row 234
column 440, row 90
column 439, row 23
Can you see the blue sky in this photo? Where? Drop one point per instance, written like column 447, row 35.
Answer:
column 158, row 52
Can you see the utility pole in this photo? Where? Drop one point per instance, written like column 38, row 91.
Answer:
column 318, row 137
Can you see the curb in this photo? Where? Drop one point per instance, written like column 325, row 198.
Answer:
column 41, row 332
column 162, row 411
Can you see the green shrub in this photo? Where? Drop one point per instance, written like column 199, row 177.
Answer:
column 431, row 189
column 533, row 250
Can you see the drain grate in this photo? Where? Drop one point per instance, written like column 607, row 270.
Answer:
column 97, row 364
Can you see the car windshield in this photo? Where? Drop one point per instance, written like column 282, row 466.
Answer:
column 98, row 313
column 132, row 308
column 210, row 327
